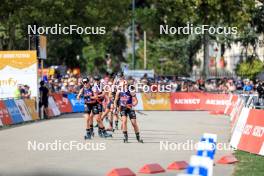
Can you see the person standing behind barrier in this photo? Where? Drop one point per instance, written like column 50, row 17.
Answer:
column 44, row 97
column 248, row 88
column 27, row 92
column 231, row 86
column 260, row 90
column 17, row 93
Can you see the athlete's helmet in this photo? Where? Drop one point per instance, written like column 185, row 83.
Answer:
column 85, row 80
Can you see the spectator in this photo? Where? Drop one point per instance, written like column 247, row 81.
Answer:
column 184, row 87
column 64, row 87
column 27, row 92
column 231, row 86
column 260, row 90
column 239, row 84
column 17, row 93
column 248, row 88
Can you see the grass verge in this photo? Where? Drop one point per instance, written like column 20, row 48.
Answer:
column 249, row 164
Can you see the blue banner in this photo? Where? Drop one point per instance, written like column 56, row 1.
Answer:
column 77, row 105
column 13, row 111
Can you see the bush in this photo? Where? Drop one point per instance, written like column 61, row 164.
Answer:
column 249, row 68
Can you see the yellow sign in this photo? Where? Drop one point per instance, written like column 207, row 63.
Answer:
column 17, row 59
column 156, row 101
column 31, row 105
column 18, row 67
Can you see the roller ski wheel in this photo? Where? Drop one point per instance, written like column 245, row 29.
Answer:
column 125, row 140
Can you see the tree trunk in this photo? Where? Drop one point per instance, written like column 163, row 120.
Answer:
column 206, row 56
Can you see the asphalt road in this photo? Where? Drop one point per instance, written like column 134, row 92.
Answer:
column 17, row 155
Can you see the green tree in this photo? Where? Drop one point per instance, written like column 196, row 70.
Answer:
column 250, row 68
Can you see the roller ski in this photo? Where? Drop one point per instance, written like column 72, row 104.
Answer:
column 125, row 140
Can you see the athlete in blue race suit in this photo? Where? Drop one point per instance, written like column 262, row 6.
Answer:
column 127, row 100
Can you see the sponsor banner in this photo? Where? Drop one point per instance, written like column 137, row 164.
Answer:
column 13, row 111
column 77, row 105
column 236, row 115
column 53, row 109
column 4, row 114
column 23, row 110
column 186, row 101
column 252, row 136
column 31, row 105
column 17, row 67
column 234, row 111
column 1, row 124
column 139, row 106
column 156, row 101
column 62, row 102
column 199, row 101
column 238, row 128
column 229, row 108
column 210, row 101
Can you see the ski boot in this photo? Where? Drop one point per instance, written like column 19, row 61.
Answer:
column 125, row 140
column 105, row 134
column 88, row 135
column 100, row 133
column 111, row 128
column 116, row 125
column 138, row 138
column 92, row 131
